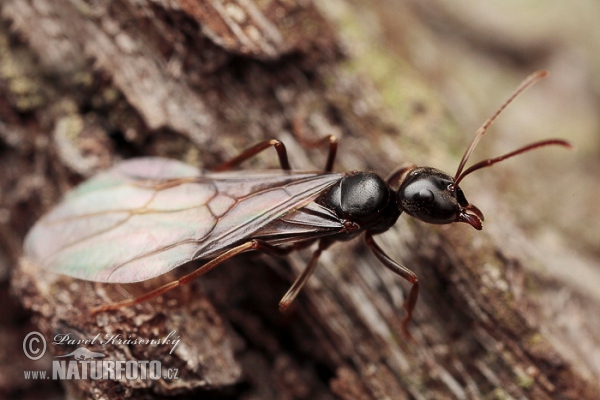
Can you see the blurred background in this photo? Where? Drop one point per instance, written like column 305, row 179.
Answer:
column 472, row 54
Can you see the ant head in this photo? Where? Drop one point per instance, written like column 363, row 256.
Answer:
column 435, row 197
column 430, row 195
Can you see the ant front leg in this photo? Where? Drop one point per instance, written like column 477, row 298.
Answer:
column 254, row 150
column 411, row 300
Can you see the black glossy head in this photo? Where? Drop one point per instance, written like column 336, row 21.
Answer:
column 430, row 195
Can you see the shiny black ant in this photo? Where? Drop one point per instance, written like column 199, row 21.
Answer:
column 146, row 216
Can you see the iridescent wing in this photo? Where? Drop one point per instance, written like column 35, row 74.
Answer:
column 146, row 216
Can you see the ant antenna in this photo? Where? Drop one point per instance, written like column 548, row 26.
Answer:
column 530, row 80
column 492, row 161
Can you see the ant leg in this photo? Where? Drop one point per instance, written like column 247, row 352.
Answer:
column 398, row 175
column 251, row 245
column 298, row 128
column 254, row 150
column 293, row 291
column 411, row 300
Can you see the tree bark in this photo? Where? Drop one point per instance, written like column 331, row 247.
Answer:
column 87, row 85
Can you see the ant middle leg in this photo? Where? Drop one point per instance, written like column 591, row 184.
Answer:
column 331, row 140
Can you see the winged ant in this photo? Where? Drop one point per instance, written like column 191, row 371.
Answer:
column 146, row 216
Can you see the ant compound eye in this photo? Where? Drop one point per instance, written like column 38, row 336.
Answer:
column 424, row 196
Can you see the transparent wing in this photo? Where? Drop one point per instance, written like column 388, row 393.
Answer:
column 146, row 216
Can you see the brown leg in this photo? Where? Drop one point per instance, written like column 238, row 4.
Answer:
column 399, row 174
column 312, row 144
column 291, row 294
column 411, row 300
column 251, row 245
column 254, row 150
